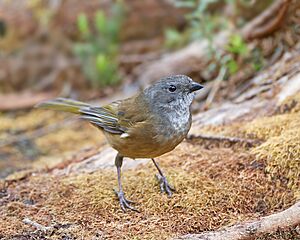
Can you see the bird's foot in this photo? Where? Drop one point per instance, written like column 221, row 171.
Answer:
column 124, row 203
column 164, row 185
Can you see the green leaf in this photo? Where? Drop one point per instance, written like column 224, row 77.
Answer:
column 237, row 45
column 83, row 25
column 203, row 5
column 113, row 29
column 100, row 22
column 101, row 62
column 232, row 66
column 173, row 38
column 185, row 3
column 83, row 49
column 99, row 50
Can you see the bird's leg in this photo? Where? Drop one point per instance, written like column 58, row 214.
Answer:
column 163, row 183
column 124, row 203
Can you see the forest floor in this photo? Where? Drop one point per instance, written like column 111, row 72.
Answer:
column 240, row 161
column 67, row 176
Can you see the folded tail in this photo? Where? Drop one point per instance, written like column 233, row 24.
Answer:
column 101, row 117
column 63, row 104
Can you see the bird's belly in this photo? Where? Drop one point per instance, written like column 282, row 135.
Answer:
column 146, row 147
column 152, row 140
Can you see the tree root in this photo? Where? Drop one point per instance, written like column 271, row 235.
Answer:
column 285, row 219
column 267, row 22
column 249, row 142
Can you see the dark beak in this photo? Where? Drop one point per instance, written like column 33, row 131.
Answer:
column 195, row 87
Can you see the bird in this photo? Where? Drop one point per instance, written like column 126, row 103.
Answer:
column 146, row 125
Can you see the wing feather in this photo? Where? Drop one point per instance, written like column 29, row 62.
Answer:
column 117, row 117
column 102, row 118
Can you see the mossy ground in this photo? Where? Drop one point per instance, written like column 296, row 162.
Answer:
column 280, row 133
column 47, row 149
column 218, row 184
column 215, row 187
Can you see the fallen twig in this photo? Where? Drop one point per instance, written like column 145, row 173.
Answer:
column 250, row 142
column 248, row 230
column 36, row 225
column 216, row 86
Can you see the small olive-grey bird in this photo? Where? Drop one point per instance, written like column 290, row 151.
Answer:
column 146, row 125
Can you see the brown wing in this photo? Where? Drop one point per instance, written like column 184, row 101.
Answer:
column 117, row 117
column 105, row 117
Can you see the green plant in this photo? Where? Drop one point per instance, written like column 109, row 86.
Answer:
column 235, row 48
column 99, row 45
column 237, row 45
column 203, row 24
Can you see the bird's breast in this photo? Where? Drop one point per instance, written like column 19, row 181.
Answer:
column 179, row 120
column 153, row 137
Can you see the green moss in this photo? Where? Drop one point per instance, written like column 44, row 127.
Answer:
column 215, row 188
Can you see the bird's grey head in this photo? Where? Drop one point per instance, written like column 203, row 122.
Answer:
column 172, row 91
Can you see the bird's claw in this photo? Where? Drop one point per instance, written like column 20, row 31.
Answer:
column 124, row 203
column 164, row 185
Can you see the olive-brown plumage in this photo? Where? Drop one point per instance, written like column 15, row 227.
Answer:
column 146, row 125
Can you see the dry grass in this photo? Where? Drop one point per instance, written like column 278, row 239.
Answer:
column 47, row 150
column 217, row 185
column 215, row 188
column 281, row 135
column 288, row 234
column 281, row 150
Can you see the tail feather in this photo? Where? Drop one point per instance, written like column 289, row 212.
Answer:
column 98, row 116
column 63, row 104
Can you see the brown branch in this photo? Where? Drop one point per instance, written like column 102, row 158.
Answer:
column 250, row 142
column 248, row 230
column 267, row 22
column 216, row 86
column 36, row 225
column 43, row 228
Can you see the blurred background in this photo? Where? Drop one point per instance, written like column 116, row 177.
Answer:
column 102, row 50
column 240, row 160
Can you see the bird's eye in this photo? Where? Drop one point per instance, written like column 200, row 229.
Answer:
column 172, row 88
